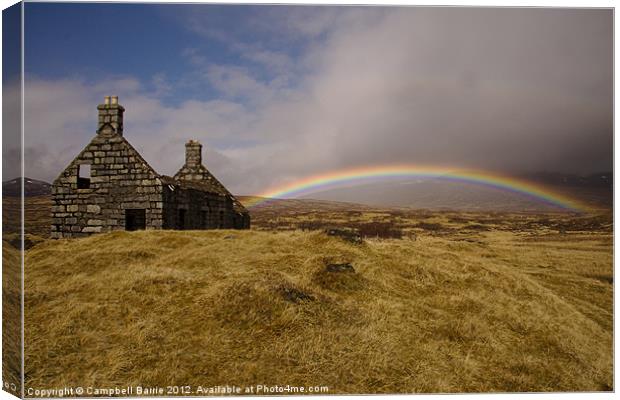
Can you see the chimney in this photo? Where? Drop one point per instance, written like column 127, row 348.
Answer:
column 110, row 116
column 193, row 154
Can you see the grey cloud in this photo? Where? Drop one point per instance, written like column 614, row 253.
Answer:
column 510, row 90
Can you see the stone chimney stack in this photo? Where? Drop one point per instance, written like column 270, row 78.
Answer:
column 193, row 154
column 110, row 116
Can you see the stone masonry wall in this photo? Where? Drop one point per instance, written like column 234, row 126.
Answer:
column 200, row 209
column 194, row 171
column 120, row 179
column 235, row 215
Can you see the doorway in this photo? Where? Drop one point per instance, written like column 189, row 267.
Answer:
column 135, row 219
column 182, row 213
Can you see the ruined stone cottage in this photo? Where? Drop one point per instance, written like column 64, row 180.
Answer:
column 109, row 187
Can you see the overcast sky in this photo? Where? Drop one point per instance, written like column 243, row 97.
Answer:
column 276, row 93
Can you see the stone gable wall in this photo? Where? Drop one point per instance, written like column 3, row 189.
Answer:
column 195, row 174
column 233, row 215
column 120, row 180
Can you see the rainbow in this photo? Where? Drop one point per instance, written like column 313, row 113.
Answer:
column 354, row 176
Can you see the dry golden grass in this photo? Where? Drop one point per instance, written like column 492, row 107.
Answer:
column 484, row 312
column 286, row 215
column 37, row 215
column 11, row 319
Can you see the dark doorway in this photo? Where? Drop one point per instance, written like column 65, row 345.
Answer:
column 203, row 219
column 182, row 218
column 135, row 219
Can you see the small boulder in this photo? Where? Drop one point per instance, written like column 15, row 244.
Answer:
column 294, row 295
column 344, row 267
column 349, row 235
column 339, row 277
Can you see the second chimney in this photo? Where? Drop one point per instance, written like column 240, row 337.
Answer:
column 193, row 154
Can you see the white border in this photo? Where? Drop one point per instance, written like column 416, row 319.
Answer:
column 477, row 3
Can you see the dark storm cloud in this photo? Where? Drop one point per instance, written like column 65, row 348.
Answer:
column 509, row 90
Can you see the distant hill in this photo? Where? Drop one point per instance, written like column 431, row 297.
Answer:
column 32, row 187
column 431, row 194
column 600, row 179
column 440, row 194
column 302, row 205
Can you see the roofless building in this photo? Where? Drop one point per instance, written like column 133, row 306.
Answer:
column 110, row 187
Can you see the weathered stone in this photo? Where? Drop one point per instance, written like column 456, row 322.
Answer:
column 349, row 235
column 344, row 267
column 294, row 295
column 93, row 209
column 92, row 229
column 99, row 179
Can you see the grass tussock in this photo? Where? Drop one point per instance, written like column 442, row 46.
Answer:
column 251, row 307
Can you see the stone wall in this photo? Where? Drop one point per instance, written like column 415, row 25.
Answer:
column 119, row 179
column 193, row 171
column 241, row 220
column 188, row 208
